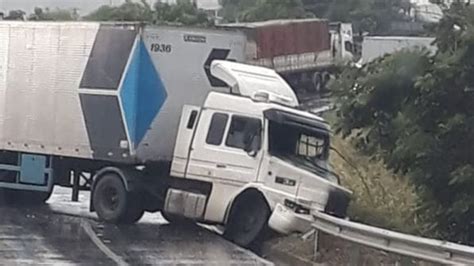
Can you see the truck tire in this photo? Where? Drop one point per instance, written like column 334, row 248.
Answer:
column 113, row 203
column 247, row 220
column 134, row 214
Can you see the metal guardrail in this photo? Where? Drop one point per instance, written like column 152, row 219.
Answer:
column 417, row 247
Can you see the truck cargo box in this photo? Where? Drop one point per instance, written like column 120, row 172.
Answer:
column 101, row 91
column 374, row 47
column 287, row 45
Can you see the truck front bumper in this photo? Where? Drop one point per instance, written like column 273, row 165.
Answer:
column 286, row 221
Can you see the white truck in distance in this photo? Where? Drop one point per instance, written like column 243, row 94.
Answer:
column 158, row 125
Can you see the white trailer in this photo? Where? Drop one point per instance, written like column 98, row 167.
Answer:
column 374, row 47
column 159, row 125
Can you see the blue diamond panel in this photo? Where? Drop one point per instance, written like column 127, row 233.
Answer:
column 142, row 94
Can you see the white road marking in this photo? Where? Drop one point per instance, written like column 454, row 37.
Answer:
column 95, row 239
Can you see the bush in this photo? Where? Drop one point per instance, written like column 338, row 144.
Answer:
column 380, row 198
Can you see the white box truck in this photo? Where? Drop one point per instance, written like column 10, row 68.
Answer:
column 374, row 47
column 155, row 122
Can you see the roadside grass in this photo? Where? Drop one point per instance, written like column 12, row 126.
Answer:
column 381, row 198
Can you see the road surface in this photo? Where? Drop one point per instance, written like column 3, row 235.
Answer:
column 65, row 233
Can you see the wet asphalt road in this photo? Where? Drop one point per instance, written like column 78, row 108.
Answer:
column 65, row 233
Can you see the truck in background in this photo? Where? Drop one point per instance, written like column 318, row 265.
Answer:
column 153, row 122
column 304, row 51
column 374, row 47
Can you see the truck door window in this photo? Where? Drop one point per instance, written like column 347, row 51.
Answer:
column 244, row 132
column 217, row 129
column 192, row 119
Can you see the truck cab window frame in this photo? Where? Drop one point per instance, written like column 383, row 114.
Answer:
column 244, row 132
column 217, row 127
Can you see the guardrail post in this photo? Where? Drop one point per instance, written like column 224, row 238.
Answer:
column 316, row 245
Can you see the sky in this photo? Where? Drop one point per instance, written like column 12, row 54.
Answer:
column 85, row 6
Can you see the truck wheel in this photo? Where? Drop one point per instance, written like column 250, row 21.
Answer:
column 134, row 214
column 248, row 220
column 113, row 203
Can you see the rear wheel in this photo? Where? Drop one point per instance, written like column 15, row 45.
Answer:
column 134, row 215
column 248, row 220
column 113, row 203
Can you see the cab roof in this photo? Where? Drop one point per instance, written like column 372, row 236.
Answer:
column 247, row 106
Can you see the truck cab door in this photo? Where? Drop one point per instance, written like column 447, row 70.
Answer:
column 226, row 147
column 182, row 149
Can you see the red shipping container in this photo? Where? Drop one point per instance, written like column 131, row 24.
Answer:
column 289, row 37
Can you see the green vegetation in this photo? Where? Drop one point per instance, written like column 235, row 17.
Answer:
column 183, row 13
column 129, row 11
column 261, row 10
column 381, row 198
column 374, row 16
column 413, row 111
column 54, row 15
column 15, row 15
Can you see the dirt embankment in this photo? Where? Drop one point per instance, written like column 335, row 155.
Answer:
column 293, row 250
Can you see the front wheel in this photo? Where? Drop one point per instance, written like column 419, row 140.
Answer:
column 248, row 220
column 113, row 203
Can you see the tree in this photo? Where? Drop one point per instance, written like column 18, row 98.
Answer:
column 54, row 15
column 415, row 111
column 373, row 16
column 282, row 9
column 184, row 13
column 129, row 11
column 16, row 15
column 261, row 10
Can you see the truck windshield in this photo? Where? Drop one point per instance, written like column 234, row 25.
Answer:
column 302, row 147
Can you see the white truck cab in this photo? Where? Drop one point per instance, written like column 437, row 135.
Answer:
column 266, row 161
